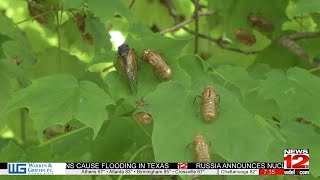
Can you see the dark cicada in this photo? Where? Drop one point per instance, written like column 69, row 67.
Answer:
column 128, row 64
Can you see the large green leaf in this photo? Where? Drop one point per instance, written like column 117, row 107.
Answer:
column 236, row 76
column 57, row 99
column 302, row 7
column 54, row 61
column 106, row 10
column 296, row 93
column 181, row 116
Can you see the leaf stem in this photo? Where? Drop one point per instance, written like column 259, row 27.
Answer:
column 135, row 154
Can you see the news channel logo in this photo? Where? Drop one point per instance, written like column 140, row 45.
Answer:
column 30, row 168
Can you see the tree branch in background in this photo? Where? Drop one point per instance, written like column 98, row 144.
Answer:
column 196, row 21
column 304, row 35
column 290, row 42
column 220, row 43
column 183, row 23
column 132, row 3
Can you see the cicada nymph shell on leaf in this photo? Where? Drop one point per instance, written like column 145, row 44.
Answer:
column 158, row 63
column 303, row 121
column 245, row 37
column 128, row 64
column 209, row 105
column 81, row 24
column 260, row 22
column 57, row 130
column 201, row 148
column 35, row 9
column 143, row 117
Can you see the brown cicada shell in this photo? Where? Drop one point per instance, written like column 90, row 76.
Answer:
column 201, row 148
column 88, row 38
column 143, row 117
column 35, row 9
column 260, row 22
column 245, row 37
column 81, row 24
column 128, row 64
column 209, row 104
column 159, row 65
column 57, row 130
column 303, row 121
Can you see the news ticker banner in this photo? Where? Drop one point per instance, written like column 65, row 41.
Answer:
column 294, row 164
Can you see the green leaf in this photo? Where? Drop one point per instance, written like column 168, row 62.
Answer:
column 234, row 13
column 57, row 99
column 76, row 4
column 153, row 13
column 15, row 49
column 9, row 29
column 180, row 116
column 105, row 11
column 96, row 28
column 284, row 61
column 54, row 61
column 301, row 136
column 296, row 93
column 303, row 7
column 71, row 146
column 12, row 153
column 168, row 48
column 111, row 144
column 236, row 76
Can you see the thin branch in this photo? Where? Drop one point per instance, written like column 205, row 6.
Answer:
column 107, row 68
column 304, row 35
column 294, row 47
column 196, row 18
column 132, row 3
column 290, row 42
column 219, row 42
column 183, row 23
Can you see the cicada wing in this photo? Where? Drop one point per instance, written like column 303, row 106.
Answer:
column 122, row 64
column 131, row 70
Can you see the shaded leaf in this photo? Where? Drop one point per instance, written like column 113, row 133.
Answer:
column 57, row 99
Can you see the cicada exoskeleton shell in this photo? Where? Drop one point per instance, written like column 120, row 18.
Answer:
column 303, row 121
column 260, row 22
column 201, row 148
column 80, row 21
column 143, row 117
column 36, row 9
column 245, row 37
column 128, row 64
column 209, row 105
column 158, row 63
